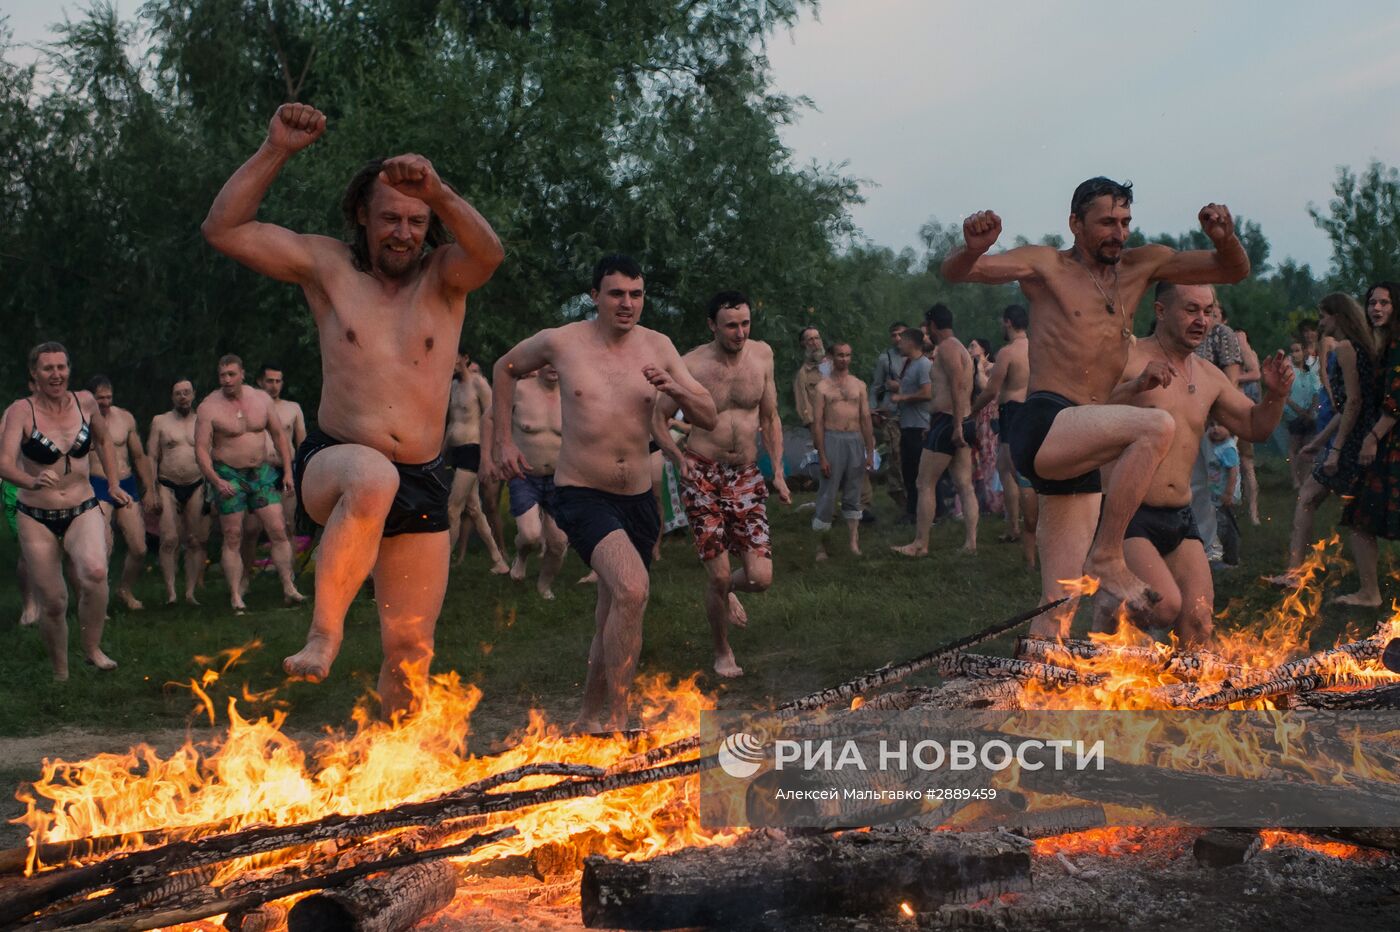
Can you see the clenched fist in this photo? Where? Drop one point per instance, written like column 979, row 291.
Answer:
column 981, row 230
column 295, row 126
column 412, row 175
column 1217, row 223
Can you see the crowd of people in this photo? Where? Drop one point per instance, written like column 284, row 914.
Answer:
column 1109, row 455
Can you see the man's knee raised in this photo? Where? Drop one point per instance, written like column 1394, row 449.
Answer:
column 1158, row 427
column 760, row 577
column 371, row 491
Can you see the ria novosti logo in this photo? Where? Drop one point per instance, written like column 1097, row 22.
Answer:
column 741, row 755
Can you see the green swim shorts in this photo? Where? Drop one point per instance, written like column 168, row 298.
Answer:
column 253, row 488
column 10, row 493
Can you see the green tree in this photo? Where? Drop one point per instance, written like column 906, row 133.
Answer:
column 1363, row 222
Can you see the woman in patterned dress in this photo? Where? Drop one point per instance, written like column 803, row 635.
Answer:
column 1375, row 511
column 984, row 467
column 1351, row 372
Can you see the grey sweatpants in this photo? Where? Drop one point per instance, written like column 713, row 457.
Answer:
column 845, row 451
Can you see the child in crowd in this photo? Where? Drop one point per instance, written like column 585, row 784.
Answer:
column 1223, row 470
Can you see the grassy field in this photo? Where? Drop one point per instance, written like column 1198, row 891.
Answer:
column 818, row 625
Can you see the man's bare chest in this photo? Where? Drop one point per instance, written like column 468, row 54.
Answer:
column 739, row 388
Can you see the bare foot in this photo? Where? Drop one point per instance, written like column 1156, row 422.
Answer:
column 517, row 569
column 1008, row 538
column 130, row 601
column 589, row 726
column 1116, row 580
column 239, row 608
column 312, row 662
column 292, row 597
column 171, row 598
column 190, row 599
column 1359, row 599
column 29, row 617
column 911, row 550
column 821, row 554
column 726, row 667
column 101, row 661
column 968, row 548
column 737, row 616
column 457, row 560
column 855, row 550
column 588, row 580
column 500, row 568
column 545, row 592
column 1288, row 580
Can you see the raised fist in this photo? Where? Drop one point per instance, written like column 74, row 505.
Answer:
column 1217, row 223
column 295, row 126
column 981, row 230
column 1277, row 374
column 412, row 175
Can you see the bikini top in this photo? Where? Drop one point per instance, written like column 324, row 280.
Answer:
column 38, row 448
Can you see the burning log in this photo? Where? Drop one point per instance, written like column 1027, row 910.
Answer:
column 269, row 917
column 852, row 874
column 93, row 915
column 26, row 896
column 1044, row 823
column 15, row 860
column 1377, row 697
column 1190, row 666
column 1386, row 839
column 387, row 903
column 1269, row 689
column 979, row 666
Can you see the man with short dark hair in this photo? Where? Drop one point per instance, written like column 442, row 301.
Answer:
column 951, row 434
column 1082, row 301
column 537, row 427
column 388, row 308
column 468, row 426
column 131, row 464
column 911, row 393
column 610, row 371
column 845, row 443
column 884, row 382
column 231, row 433
column 1163, row 545
column 1006, row 385
column 183, row 517
column 721, row 486
column 293, row 420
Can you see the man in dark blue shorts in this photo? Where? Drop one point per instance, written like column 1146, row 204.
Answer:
column 610, row 370
column 1082, row 301
column 951, row 434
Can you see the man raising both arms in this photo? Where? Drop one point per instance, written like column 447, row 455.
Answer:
column 468, row 419
column 721, row 485
column 232, row 429
column 537, row 427
column 610, row 370
column 1163, row 545
column 1082, row 301
column 388, row 316
column 181, row 490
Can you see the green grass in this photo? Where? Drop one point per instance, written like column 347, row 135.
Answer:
column 818, row 625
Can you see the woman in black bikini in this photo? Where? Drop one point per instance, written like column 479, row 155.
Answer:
column 44, row 451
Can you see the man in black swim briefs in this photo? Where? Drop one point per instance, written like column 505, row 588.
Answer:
column 1163, row 546
column 610, row 370
column 1082, row 301
column 388, row 308
column 184, row 514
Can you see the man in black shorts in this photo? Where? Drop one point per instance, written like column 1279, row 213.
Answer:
column 951, row 434
column 1082, row 301
column 610, row 370
column 388, row 307
column 1162, row 544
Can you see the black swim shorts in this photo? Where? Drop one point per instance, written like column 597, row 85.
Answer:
column 939, row 438
column 467, row 456
column 1163, row 527
column 588, row 515
column 420, row 505
column 1006, row 414
column 1032, row 426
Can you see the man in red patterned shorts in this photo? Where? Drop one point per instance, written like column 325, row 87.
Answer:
column 721, row 485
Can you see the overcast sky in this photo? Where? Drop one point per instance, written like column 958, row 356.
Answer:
column 949, row 107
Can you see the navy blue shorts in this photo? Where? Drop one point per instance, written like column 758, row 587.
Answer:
column 939, row 438
column 103, row 490
column 588, row 515
column 528, row 491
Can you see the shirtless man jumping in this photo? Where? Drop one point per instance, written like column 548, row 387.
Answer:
column 1006, row 385
column 951, row 434
column 1163, row 546
column 231, row 432
column 721, row 486
column 536, row 424
column 183, row 522
column 845, row 440
column 1082, row 302
column 468, row 420
column 389, row 317
column 610, row 371
column 131, row 465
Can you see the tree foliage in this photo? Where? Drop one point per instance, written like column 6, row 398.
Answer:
column 1363, row 222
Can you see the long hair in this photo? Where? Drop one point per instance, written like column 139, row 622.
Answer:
column 1387, row 333
column 357, row 195
column 1352, row 324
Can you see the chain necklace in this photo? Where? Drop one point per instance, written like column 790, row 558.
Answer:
column 1190, row 382
column 1110, row 305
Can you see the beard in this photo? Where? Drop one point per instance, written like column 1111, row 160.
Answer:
column 398, row 264
column 1102, row 256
